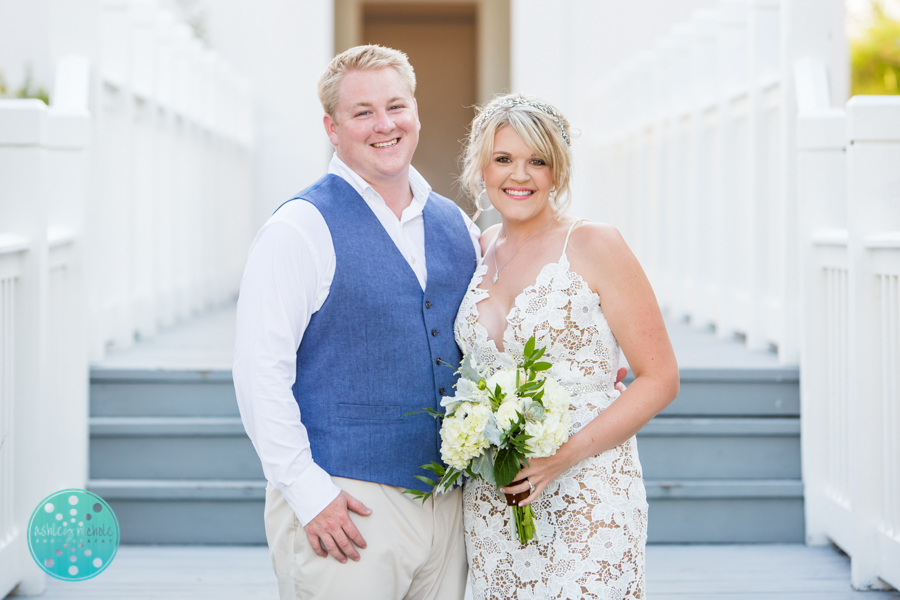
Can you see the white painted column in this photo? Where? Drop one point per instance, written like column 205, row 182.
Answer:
column 810, row 30
column 67, row 160
column 874, row 244
column 733, row 68
column 23, row 213
column 822, row 211
column 766, row 246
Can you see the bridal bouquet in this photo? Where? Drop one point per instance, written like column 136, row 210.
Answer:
column 493, row 425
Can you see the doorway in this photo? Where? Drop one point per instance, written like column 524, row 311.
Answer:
column 441, row 42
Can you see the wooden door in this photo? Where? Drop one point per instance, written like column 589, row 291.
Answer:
column 440, row 40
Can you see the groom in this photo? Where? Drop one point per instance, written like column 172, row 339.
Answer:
column 346, row 311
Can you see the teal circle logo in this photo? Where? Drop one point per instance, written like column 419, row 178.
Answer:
column 73, row 535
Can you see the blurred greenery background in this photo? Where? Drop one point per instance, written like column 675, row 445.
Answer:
column 875, row 48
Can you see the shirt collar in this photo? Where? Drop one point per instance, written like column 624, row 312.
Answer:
column 417, row 183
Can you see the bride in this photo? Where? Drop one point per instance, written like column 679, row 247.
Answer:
column 578, row 288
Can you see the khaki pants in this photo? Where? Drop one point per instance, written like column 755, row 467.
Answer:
column 414, row 551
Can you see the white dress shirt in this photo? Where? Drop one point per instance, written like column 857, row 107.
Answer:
column 288, row 276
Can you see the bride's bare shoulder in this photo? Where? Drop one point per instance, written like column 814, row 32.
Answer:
column 600, row 238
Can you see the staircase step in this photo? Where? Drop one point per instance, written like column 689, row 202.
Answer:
column 725, row 511
column 162, row 392
column 720, row 448
column 759, row 391
column 186, row 512
column 171, row 448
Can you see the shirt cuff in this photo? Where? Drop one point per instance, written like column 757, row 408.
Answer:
column 309, row 494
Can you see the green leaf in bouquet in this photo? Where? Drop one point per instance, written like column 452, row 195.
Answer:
column 424, row 479
column 419, row 494
column 529, row 348
column 492, row 431
column 539, row 397
column 497, row 396
column 435, row 468
column 468, row 369
column 506, row 466
column 541, row 366
column 529, row 386
column 538, row 353
column 483, row 466
column 446, row 482
column 428, row 411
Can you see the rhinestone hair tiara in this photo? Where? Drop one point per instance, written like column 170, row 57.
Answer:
column 544, row 108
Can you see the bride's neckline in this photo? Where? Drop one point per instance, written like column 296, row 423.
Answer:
column 482, row 269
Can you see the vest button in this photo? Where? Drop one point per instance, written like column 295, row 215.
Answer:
column 441, row 391
column 427, row 304
column 433, row 332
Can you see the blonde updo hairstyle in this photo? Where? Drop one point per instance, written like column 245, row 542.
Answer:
column 544, row 134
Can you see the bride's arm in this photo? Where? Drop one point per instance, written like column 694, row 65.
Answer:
column 600, row 255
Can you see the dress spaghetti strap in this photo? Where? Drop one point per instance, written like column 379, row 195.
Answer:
column 571, row 229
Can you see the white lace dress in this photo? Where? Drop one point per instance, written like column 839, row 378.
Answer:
column 592, row 519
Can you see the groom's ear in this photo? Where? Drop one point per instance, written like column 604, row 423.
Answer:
column 330, row 129
column 416, row 104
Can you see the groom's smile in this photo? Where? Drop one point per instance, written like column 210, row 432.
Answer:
column 375, row 129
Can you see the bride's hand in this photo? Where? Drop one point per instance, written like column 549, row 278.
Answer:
column 539, row 473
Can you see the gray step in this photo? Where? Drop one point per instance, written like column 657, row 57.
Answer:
column 725, row 511
column 720, row 448
column 171, row 448
column 721, row 463
column 162, row 393
column 772, row 391
column 760, row 391
column 186, row 512
column 218, row 512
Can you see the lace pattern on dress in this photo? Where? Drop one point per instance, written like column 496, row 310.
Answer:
column 592, row 519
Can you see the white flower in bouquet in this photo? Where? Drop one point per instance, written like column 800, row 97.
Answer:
column 506, row 379
column 507, row 414
column 556, row 398
column 463, row 434
column 549, row 435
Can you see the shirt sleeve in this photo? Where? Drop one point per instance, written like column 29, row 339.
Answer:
column 474, row 233
column 280, row 290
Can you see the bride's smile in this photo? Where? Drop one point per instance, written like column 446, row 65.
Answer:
column 517, row 181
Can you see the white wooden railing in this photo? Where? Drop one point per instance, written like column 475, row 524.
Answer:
column 169, row 217
column 758, row 203
column 124, row 207
column 688, row 157
column 849, row 193
column 43, row 354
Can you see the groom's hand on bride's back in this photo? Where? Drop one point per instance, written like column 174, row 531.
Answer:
column 333, row 532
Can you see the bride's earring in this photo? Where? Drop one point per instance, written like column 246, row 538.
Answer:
column 553, row 195
column 484, row 202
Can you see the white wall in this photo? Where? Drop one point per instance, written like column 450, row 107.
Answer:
column 282, row 46
column 560, row 50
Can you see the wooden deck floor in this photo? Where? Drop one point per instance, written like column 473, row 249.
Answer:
column 701, row 572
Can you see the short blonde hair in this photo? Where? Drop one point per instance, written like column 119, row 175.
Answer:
column 543, row 129
column 362, row 58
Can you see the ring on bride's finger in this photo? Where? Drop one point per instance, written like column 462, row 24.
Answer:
column 531, row 484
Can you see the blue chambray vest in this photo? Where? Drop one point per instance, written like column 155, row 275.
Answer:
column 369, row 354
